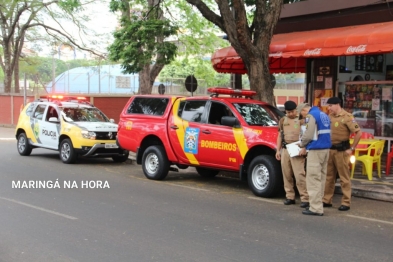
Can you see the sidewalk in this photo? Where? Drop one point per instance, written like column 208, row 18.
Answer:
column 378, row 188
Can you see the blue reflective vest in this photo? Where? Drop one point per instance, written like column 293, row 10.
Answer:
column 321, row 139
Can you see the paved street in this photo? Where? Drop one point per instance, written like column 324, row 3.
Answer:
column 183, row 218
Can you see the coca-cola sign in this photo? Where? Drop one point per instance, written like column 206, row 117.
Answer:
column 277, row 54
column 356, row 49
column 310, row 52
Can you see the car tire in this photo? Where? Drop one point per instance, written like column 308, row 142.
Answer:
column 24, row 148
column 67, row 152
column 206, row 172
column 120, row 159
column 264, row 176
column 155, row 163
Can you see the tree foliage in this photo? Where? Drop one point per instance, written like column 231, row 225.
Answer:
column 153, row 32
column 22, row 21
column 200, row 68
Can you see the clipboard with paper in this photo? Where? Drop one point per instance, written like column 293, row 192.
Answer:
column 293, row 149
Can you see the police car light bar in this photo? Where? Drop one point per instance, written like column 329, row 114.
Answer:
column 230, row 91
column 63, row 98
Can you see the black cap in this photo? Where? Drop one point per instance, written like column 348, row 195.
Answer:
column 290, row 105
column 334, row 100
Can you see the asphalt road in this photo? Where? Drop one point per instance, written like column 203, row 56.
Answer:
column 183, row 218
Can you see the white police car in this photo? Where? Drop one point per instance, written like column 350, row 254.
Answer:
column 69, row 125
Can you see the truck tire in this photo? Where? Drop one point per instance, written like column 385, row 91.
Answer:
column 206, row 172
column 120, row 159
column 67, row 152
column 155, row 163
column 264, row 176
column 24, row 148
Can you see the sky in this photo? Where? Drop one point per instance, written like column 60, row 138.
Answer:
column 101, row 21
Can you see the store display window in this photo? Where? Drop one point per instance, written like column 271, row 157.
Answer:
column 371, row 105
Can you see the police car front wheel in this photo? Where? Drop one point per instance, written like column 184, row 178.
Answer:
column 67, row 152
column 24, row 148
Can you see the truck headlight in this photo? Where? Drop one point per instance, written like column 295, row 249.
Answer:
column 88, row 134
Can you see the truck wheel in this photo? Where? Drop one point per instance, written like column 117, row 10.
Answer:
column 24, row 148
column 206, row 172
column 155, row 163
column 120, row 159
column 67, row 152
column 264, row 176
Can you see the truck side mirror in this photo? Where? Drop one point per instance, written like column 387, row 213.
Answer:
column 230, row 121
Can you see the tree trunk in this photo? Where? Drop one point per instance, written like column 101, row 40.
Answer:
column 7, row 67
column 145, row 85
column 259, row 77
column 16, row 76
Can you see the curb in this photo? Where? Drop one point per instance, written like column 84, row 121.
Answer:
column 367, row 192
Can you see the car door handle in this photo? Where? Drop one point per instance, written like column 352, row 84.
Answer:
column 174, row 127
column 206, row 132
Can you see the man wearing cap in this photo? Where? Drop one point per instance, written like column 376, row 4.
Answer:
column 315, row 140
column 289, row 130
column 343, row 124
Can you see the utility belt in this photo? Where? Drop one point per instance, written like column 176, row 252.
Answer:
column 343, row 146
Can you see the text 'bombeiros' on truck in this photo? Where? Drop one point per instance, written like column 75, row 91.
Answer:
column 70, row 125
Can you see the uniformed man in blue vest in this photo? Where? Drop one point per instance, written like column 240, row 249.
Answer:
column 315, row 143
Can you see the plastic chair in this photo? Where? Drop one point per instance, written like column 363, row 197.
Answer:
column 388, row 161
column 365, row 135
column 372, row 155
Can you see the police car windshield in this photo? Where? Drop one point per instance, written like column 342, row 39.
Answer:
column 259, row 115
column 83, row 114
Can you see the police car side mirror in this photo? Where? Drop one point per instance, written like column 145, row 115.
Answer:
column 230, row 121
column 112, row 120
column 54, row 120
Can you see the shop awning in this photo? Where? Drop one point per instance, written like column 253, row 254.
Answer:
column 290, row 50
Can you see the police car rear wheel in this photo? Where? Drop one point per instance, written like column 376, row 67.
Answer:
column 24, row 148
column 264, row 179
column 206, row 172
column 155, row 163
column 67, row 152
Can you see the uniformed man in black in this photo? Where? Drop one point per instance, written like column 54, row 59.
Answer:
column 343, row 124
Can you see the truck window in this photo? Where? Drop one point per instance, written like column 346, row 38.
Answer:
column 148, row 106
column 217, row 111
column 39, row 112
column 191, row 110
column 258, row 115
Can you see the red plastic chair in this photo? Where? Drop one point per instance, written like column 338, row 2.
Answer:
column 388, row 161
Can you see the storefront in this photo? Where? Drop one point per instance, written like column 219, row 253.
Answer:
column 353, row 62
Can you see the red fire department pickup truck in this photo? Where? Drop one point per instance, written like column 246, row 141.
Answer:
column 227, row 130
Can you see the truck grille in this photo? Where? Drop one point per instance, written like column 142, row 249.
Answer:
column 106, row 135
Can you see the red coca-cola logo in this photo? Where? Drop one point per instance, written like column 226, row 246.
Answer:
column 316, row 51
column 356, row 49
